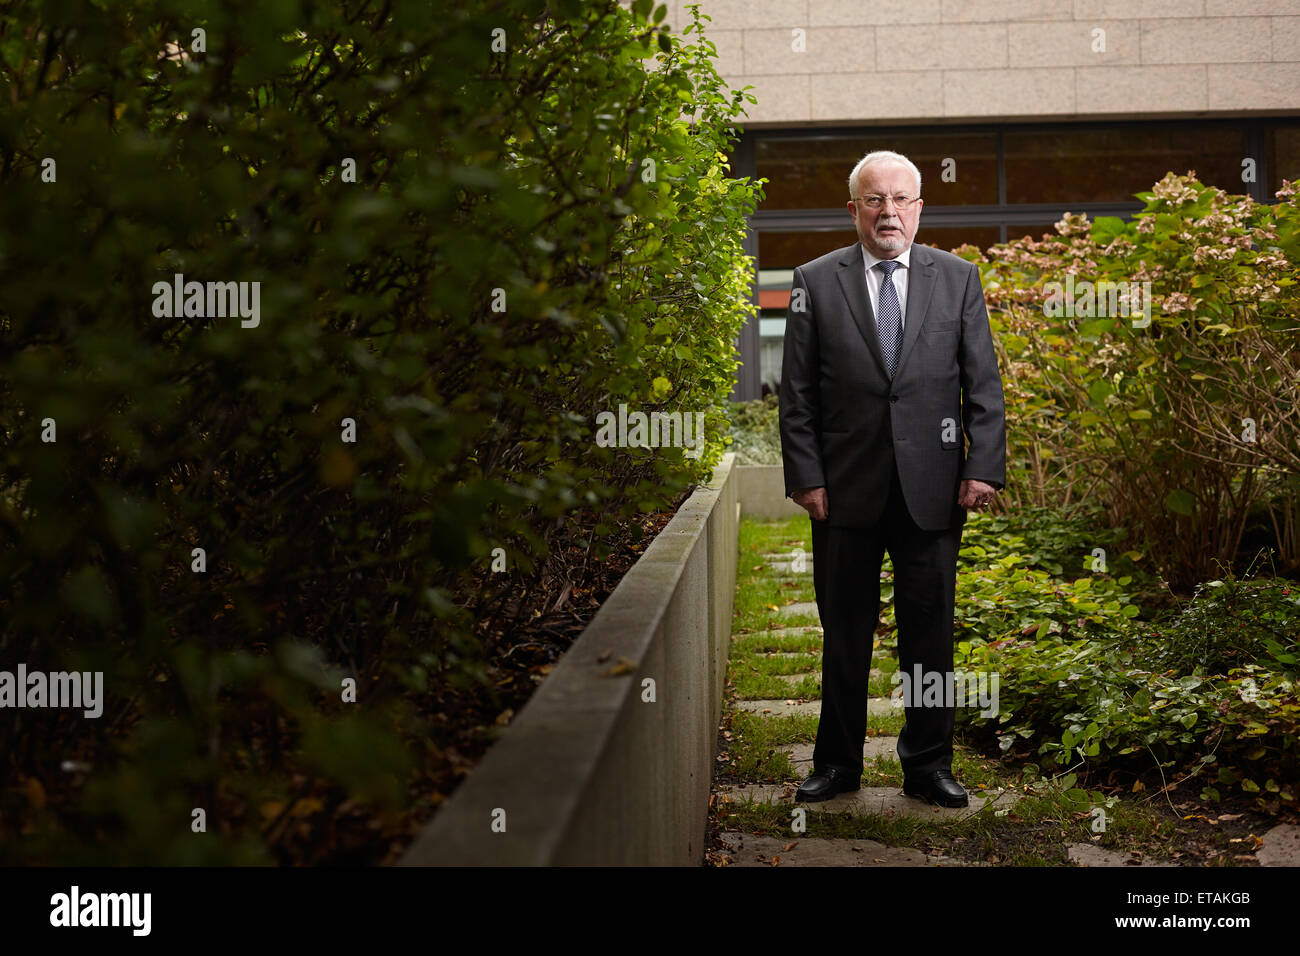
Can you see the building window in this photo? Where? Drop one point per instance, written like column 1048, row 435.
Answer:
column 981, row 185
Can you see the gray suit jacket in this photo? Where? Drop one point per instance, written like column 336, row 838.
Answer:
column 841, row 415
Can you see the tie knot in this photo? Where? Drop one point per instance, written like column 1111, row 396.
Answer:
column 887, row 266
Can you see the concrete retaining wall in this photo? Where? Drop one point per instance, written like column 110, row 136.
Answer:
column 762, row 493
column 589, row 772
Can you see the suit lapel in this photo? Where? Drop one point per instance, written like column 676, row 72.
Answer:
column 853, row 280
column 920, row 287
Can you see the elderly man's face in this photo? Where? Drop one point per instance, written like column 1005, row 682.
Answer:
column 887, row 231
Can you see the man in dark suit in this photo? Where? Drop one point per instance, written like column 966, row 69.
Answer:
column 888, row 359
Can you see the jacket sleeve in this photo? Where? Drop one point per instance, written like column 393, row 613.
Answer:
column 983, row 412
column 800, row 398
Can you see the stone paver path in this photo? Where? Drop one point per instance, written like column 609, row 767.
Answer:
column 888, row 801
column 1281, row 846
column 874, row 747
column 788, row 574
column 781, row 708
column 1086, row 854
column 749, row 849
column 800, row 607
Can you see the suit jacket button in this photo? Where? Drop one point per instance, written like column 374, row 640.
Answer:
column 893, row 399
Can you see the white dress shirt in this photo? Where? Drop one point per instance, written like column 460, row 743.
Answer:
column 875, row 277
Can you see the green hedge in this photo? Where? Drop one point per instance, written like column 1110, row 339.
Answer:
column 756, row 431
column 540, row 227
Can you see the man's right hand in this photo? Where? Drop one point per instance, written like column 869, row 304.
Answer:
column 813, row 500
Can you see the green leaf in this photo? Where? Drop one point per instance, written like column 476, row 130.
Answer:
column 1100, row 390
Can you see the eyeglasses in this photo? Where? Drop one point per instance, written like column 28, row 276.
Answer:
column 901, row 202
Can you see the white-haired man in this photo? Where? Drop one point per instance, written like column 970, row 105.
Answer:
column 888, row 360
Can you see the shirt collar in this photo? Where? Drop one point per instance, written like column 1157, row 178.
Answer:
column 904, row 260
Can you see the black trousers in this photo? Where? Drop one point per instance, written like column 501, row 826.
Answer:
column 846, row 578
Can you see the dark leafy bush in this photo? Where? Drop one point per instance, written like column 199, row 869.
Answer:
column 1229, row 623
column 1206, row 688
column 540, row 228
column 1090, row 704
column 756, row 431
column 1180, row 423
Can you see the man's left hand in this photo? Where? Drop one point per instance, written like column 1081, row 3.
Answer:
column 976, row 495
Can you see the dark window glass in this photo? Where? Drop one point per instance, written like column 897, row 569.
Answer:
column 973, row 170
column 949, row 238
column 785, row 250
column 806, row 173
column 813, row 172
column 1283, row 145
column 1110, row 164
column 1032, row 231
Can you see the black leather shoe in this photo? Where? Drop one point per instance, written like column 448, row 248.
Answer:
column 938, row 787
column 824, row 784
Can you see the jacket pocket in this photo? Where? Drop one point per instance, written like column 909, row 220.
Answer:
column 940, row 328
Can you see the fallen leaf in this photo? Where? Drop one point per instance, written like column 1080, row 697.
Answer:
column 789, row 846
column 307, row 807
column 623, row 666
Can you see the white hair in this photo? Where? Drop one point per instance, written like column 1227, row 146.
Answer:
column 877, row 158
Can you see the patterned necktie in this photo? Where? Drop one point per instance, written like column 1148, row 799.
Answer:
column 889, row 321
